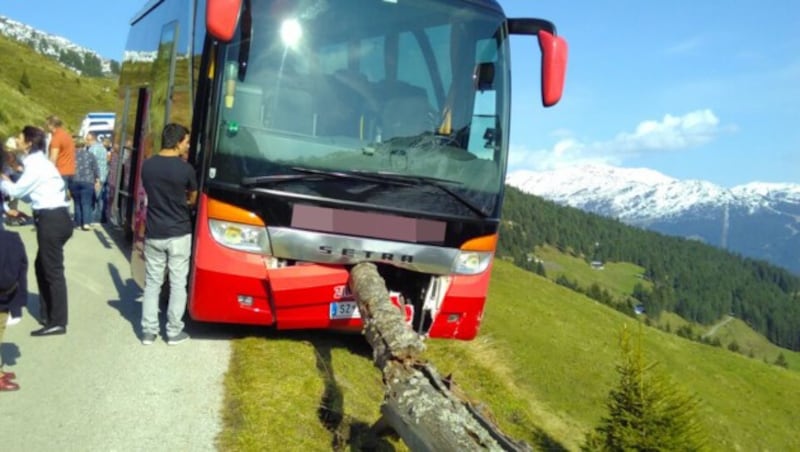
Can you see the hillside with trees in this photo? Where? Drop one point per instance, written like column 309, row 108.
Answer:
column 33, row 86
column 696, row 281
column 84, row 61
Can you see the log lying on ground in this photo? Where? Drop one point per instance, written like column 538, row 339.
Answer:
column 418, row 403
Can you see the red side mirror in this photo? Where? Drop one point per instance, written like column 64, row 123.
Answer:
column 222, row 17
column 554, row 67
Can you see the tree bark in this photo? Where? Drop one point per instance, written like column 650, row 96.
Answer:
column 418, row 403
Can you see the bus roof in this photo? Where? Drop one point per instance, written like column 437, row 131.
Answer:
column 151, row 4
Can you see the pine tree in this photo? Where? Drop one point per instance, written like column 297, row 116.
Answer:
column 24, row 81
column 781, row 361
column 540, row 270
column 646, row 412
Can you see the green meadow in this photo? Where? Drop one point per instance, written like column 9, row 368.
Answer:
column 542, row 364
column 618, row 278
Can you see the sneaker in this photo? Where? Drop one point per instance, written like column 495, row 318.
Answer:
column 148, row 338
column 175, row 340
column 13, row 320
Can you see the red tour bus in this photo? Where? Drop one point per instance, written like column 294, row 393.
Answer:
column 326, row 134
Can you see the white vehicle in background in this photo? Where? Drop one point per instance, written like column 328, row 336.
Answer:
column 101, row 123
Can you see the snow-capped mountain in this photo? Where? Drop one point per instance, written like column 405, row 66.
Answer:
column 139, row 56
column 77, row 58
column 759, row 220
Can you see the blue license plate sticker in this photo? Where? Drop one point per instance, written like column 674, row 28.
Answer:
column 344, row 310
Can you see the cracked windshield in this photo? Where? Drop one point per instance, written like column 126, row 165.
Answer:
column 404, row 110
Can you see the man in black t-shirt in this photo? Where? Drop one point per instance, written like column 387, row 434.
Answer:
column 171, row 190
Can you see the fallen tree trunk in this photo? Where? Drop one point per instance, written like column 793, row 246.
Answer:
column 418, row 404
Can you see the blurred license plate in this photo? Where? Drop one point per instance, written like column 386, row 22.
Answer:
column 344, row 310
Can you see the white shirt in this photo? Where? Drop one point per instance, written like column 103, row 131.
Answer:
column 40, row 181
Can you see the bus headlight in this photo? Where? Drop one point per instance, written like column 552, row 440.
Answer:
column 241, row 237
column 472, row 262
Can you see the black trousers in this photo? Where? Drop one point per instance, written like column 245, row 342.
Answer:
column 53, row 229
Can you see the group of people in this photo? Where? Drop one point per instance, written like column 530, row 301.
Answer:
column 84, row 170
column 43, row 176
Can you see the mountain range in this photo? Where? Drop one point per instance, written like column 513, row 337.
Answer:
column 757, row 220
column 80, row 59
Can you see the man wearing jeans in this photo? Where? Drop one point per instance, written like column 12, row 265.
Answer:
column 171, row 189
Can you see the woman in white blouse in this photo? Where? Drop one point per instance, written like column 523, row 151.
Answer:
column 42, row 186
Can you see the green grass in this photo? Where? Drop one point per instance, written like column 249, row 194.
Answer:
column 309, row 391
column 53, row 89
column 753, row 344
column 619, row 278
column 542, row 364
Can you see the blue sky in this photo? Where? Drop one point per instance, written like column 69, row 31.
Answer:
column 695, row 89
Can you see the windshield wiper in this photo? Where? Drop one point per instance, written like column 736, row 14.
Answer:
column 410, row 178
column 252, row 181
column 315, row 174
column 441, row 184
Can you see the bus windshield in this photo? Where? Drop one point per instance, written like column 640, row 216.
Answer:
column 382, row 90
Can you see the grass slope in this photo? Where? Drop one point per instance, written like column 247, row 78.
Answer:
column 543, row 364
column 619, row 278
column 753, row 344
column 52, row 89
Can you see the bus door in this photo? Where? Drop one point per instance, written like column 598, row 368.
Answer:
column 115, row 165
column 136, row 205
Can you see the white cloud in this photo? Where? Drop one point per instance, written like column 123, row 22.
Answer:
column 671, row 133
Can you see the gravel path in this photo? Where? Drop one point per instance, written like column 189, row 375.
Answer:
column 97, row 388
column 716, row 327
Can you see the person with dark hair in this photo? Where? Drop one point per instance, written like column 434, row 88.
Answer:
column 13, row 291
column 9, row 302
column 43, row 185
column 11, row 163
column 171, row 189
column 101, row 154
column 85, row 184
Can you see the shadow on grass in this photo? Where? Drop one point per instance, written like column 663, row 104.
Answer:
column 347, row 433
column 547, row 442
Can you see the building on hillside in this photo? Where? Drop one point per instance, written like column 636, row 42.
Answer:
column 533, row 258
